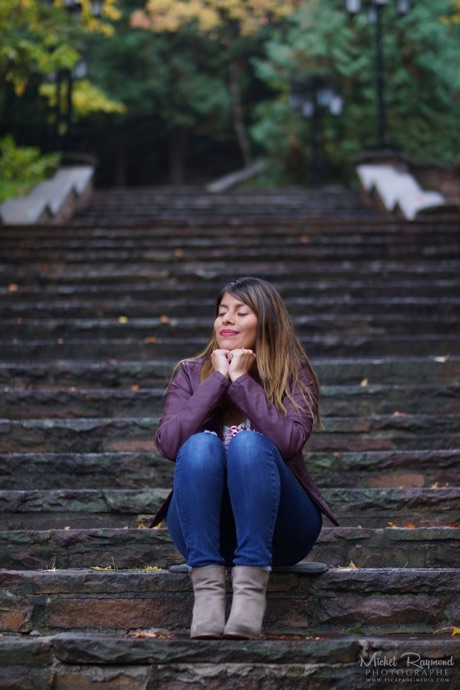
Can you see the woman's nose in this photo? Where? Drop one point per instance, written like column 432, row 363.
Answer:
column 227, row 318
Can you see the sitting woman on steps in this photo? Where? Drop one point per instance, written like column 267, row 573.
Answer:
column 236, row 419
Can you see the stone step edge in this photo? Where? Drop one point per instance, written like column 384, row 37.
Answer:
column 89, row 581
column 332, row 424
column 128, row 500
column 134, row 649
column 329, row 389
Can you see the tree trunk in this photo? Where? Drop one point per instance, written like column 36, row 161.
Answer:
column 120, row 169
column 238, row 115
column 177, row 151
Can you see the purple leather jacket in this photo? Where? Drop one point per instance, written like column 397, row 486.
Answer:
column 193, row 406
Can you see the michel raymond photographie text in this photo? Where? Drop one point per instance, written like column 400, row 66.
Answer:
column 409, row 667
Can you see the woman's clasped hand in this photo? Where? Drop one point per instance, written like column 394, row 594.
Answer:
column 233, row 363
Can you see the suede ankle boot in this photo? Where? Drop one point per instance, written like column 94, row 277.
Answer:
column 249, row 602
column 209, row 606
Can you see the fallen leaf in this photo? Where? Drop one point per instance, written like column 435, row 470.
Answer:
column 304, row 239
column 122, row 319
column 178, row 252
column 409, row 526
column 98, row 567
column 150, row 340
column 400, row 414
column 165, row 319
column 451, row 628
column 364, row 383
column 350, row 565
column 13, row 287
column 135, row 387
column 151, row 634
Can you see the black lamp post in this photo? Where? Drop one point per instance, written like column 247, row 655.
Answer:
column 312, row 98
column 65, row 78
column 375, row 9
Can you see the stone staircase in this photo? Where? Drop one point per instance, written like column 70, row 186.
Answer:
column 93, row 317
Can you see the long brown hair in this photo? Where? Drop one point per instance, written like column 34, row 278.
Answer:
column 280, row 354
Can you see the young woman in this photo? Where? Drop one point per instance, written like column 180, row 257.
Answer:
column 236, row 419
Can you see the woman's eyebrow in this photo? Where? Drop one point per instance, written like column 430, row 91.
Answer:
column 225, row 306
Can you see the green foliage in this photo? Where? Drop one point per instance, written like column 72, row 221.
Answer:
column 422, row 84
column 39, row 38
column 178, row 77
column 22, row 167
column 86, row 98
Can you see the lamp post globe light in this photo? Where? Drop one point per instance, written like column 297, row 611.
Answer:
column 375, row 9
column 312, row 98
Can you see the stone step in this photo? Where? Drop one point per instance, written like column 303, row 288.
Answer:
column 220, row 272
column 385, row 469
column 249, row 249
column 87, row 508
column 24, row 298
column 179, row 309
column 129, row 235
column 130, row 470
column 124, row 547
column 362, row 400
column 380, row 432
column 145, row 347
column 78, row 661
column 325, row 325
column 222, row 231
column 378, row 601
column 155, row 373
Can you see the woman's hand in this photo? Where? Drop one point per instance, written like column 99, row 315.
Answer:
column 220, row 361
column 241, row 362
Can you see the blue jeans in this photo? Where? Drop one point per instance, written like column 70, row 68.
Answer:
column 240, row 506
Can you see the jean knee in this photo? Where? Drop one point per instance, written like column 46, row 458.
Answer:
column 200, row 449
column 247, row 446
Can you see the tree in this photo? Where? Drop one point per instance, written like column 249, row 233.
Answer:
column 171, row 82
column 422, row 83
column 226, row 22
column 40, row 39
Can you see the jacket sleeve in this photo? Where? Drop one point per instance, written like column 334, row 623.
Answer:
column 288, row 432
column 189, row 406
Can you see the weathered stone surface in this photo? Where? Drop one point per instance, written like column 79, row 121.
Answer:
column 22, row 471
column 111, row 508
column 389, row 547
column 15, row 615
column 91, row 508
column 379, row 469
column 340, row 662
column 133, row 548
column 372, row 469
column 151, row 346
column 378, row 601
column 379, row 432
column 16, row 651
column 343, row 400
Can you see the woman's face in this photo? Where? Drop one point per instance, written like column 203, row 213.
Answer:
column 236, row 324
